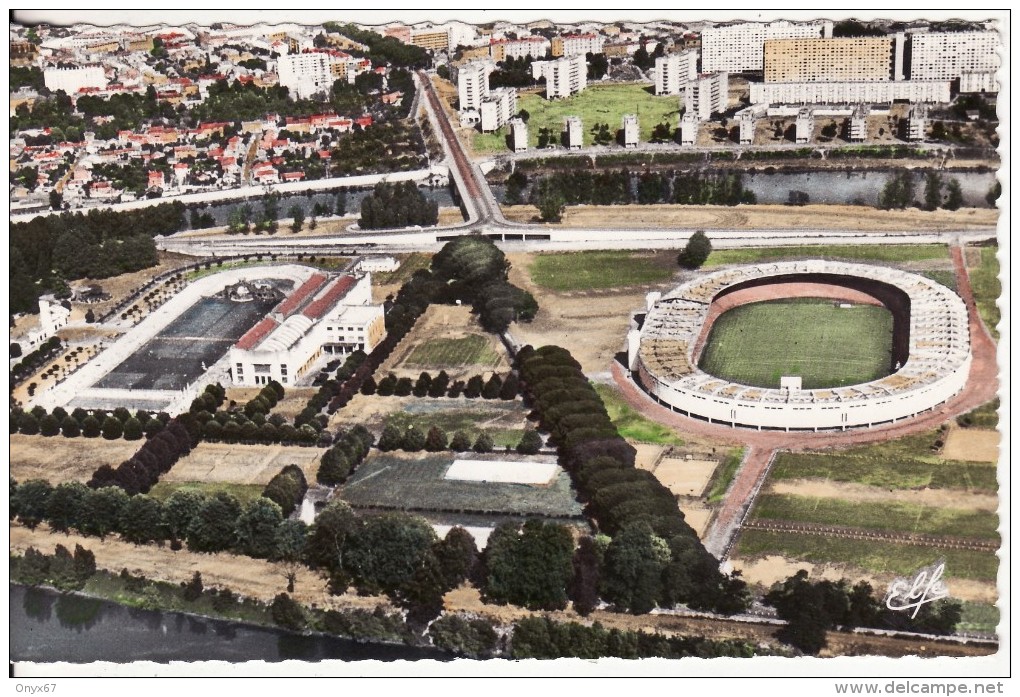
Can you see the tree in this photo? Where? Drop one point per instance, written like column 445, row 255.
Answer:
column 457, row 555
column 29, row 425
column 297, row 214
column 90, row 427
column 193, row 588
column 531, row 442
column 483, row 444
column 435, row 441
column 531, row 569
column 213, row 528
column 133, row 429
column 65, row 505
column 288, row 613
column 49, row 426
column 179, row 510
column 932, row 191
column 112, row 428
column 141, row 520
column 386, row 551
column 15, row 350
column 810, row 609
column 584, row 586
column 460, row 442
column 391, row 438
column 954, row 195
column 256, row 528
column 492, row 387
column 551, row 206
column 474, row 387
column 31, row 502
column 696, row 251
column 102, row 509
column 632, row 573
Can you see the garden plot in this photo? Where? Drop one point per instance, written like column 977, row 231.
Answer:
column 685, row 477
column 972, row 445
column 502, row 471
column 242, row 464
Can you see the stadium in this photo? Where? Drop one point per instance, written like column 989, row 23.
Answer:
column 928, row 353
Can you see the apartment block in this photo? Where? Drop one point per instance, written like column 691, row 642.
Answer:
column 306, row 74
column 473, row 83
column 565, row 76
column 739, row 48
column 577, row 45
column 431, row 39
column 518, row 135
column 978, row 81
column 859, row 123
column 805, row 125
column 707, row 95
column 689, row 125
column 850, row 92
column 947, row 55
column 917, row 122
column 573, row 135
column 534, row 46
column 497, row 108
column 864, row 59
column 631, row 131
column 672, row 71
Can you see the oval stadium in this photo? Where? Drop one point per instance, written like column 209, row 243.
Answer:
column 927, row 352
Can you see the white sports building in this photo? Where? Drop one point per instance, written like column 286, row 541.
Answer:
column 930, row 321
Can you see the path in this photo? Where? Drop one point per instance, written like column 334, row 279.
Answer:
column 739, row 499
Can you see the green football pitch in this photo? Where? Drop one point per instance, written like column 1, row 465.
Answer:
column 826, row 345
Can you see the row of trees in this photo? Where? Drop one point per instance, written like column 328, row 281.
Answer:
column 397, row 205
column 330, row 388
column 668, row 564
column 287, row 489
column 349, row 450
column 435, row 440
column 934, row 186
column 119, row 423
column 47, row 351
column 62, row 569
column 157, row 455
column 476, row 386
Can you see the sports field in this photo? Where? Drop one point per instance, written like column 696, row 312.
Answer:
column 894, row 254
column 596, row 104
column 473, row 349
column 824, row 344
column 598, row 270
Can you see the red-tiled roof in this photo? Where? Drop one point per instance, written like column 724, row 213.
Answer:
column 337, row 290
column 303, row 292
column 256, row 334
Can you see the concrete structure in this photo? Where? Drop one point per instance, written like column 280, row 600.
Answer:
column 674, row 70
column 747, row 119
column 434, row 39
column 378, row 264
column 306, row 74
column 518, row 135
column 573, row 135
column 631, row 131
column 707, row 95
column 917, row 122
column 498, row 108
column 322, row 315
column 805, row 125
column 931, row 346
column 947, row 55
column 70, row 80
column 565, row 76
column 850, row 92
column 739, row 48
column 473, row 83
column 861, row 59
column 535, row 46
column 689, row 125
column 978, row 81
column 577, row 45
column 859, row 123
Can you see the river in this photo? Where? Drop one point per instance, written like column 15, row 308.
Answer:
column 48, row 627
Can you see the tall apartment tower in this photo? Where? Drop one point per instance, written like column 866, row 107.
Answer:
column 672, row 71
column 949, row 55
column 805, row 125
column 689, row 124
column 631, row 131
column 518, row 135
column 473, row 83
column 859, row 123
column 739, row 48
column 306, row 74
column 565, row 76
column 917, row 120
column 707, row 95
column 573, row 135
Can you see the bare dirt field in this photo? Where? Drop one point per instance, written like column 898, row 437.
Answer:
column 648, row 456
column 592, row 326
column 685, row 477
column 370, row 411
column 775, row 569
column 294, row 398
column 754, row 217
column 444, row 322
column 58, row 459
column 860, row 493
column 972, row 445
column 697, row 515
column 242, row 464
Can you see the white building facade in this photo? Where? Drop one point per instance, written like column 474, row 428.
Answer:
column 498, row 108
column 70, row 80
column 631, row 131
column 674, row 70
column 707, row 95
column 740, row 48
column 936, row 92
column 565, row 76
column 473, row 83
column 947, row 55
column 306, row 74
column 573, row 133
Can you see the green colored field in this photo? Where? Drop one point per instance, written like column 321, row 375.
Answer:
column 984, row 281
column 827, row 346
column 598, row 270
column 887, row 470
column 631, row 424
column 979, row 617
column 410, row 264
column 891, row 253
column 473, row 349
column 243, row 492
column 596, row 104
column 503, row 421
column 724, row 475
column 985, row 416
column 877, row 557
column 945, row 277
column 899, row 517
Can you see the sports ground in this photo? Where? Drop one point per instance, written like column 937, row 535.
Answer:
column 825, row 344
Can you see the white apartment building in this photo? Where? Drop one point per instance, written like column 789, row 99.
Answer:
column 850, row 92
column 978, row 81
column 805, row 125
column 740, row 48
column 747, row 120
column 565, row 76
column 707, row 95
column 473, row 83
column 498, row 108
column 689, row 125
column 859, row 123
column 332, row 316
column 631, row 131
column 573, row 134
column 70, row 80
column 534, row 46
column 577, row 44
column 518, row 135
column 917, row 121
column 674, row 70
column 306, row 74
column 946, row 55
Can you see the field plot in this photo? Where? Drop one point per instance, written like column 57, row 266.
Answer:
column 242, row 464
column 473, row 349
column 503, row 421
column 972, row 445
column 630, row 423
column 502, row 472
column 245, row 493
column 685, row 477
column 58, row 459
column 597, row 104
column 598, row 270
column 824, row 344
column 416, row 482
column 176, row 355
column 447, row 337
column 984, row 280
column 896, row 254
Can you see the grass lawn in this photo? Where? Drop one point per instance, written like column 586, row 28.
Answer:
column 887, row 468
column 877, row 557
column 898, row 517
column 984, row 416
column 890, row 253
column 503, row 421
column 945, row 277
column 630, row 423
column 984, row 280
column 724, row 475
column 597, row 270
column 473, row 349
column 243, row 492
column 979, row 617
column 596, row 104
column 827, row 346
